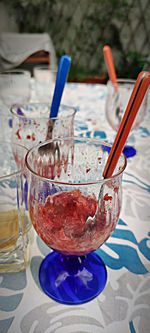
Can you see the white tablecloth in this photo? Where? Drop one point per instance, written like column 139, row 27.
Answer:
column 124, row 304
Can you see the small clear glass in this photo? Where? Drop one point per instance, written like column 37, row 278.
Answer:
column 116, row 103
column 14, row 217
column 15, row 86
column 45, row 79
column 125, row 88
column 31, row 123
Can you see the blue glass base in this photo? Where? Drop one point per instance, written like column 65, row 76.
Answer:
column 71, row 279
column 129, row 151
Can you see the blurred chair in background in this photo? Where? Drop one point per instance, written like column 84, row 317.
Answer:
column 26, row 51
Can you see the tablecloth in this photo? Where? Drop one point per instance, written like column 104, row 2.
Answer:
column 124, row 304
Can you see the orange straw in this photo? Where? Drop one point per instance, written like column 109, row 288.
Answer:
column 138, row 93
column 110, row 66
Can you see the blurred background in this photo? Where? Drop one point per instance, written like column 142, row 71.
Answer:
column 81, row 28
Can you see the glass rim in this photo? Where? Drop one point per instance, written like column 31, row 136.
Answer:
column 121, row 81
column 17, row 172
column 19, row 105
column 100, row 181
column 15, row 72
column 45, row 67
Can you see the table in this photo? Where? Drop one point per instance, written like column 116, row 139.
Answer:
column 124, row 304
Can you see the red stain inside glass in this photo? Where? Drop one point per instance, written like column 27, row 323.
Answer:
column 33, row 137
column 18, row 134
column 87, row 170
column 107, row 197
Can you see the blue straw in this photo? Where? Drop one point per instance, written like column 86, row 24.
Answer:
column 62, row 73
column 19, row 112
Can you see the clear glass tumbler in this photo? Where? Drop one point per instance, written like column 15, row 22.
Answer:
column 14, row 218
column 15, row 86
column 45, row 79
column 31, row 123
